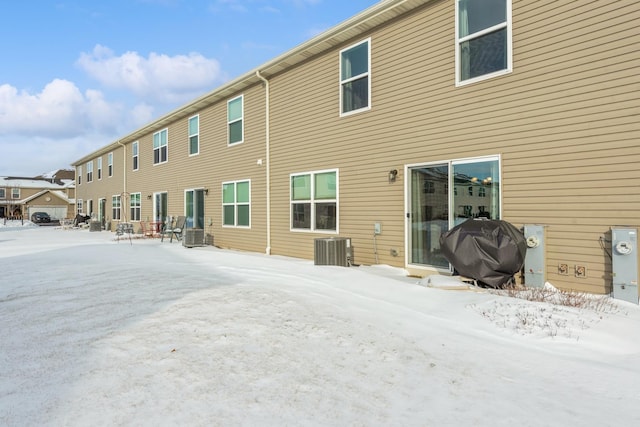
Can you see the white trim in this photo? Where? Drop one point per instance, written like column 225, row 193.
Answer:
column 235, row 204
column 312, row 228
column 368, row 74
column 160, row 162
column 407, row 200
column 509, row 26
column 189, row 136
column 241, row 120
column 136, row 156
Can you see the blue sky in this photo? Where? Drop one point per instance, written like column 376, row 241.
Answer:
column 77, row 74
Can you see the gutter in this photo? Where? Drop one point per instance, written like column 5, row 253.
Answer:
column 268, row 158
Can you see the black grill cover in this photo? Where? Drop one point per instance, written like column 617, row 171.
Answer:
column 489, row 251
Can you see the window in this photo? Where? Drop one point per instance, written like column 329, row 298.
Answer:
column 355, row 82
column 15, row 193
column 3, row 193
column 79, row 175
column 483, row 39
column 236, row 204
column 79, row 205
column 160, row 144
column 135, row 204
column 314, row 201
column 99, row 167
column 194, row 131
column 110, row 164
column 134, row 154
column 90, row 171
column 235, row 112
column 116, row 205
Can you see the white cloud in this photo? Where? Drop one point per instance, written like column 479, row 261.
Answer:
column 59, row 110
column 156, row 78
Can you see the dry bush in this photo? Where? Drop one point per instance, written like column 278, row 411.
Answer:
column 567, row 298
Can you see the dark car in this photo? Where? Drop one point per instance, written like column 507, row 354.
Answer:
column 39, row 217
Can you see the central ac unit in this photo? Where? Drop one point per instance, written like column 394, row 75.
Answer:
column 333, row 251
column 193, row 237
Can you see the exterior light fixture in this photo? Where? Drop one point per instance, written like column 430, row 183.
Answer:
column 392, row 175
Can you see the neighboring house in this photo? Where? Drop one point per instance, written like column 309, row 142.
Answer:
column 406, row 120
column 55, row 194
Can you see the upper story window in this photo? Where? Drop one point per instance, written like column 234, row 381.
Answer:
column 99, row 167
column 194, row 135
column 134, row 154
column 235, row 122
column 110, row 164
column 79, row 175
column 483, row 39
column 314, row 201
column 236, row 204
column 15, row 193
column 160, row 146
column 90, row 171
column 3, row 193
column 355, row 81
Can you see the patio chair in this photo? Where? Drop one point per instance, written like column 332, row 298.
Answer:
column 172, row 229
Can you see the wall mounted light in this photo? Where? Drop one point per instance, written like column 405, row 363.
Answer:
column 206, row 191
column 149, row 197
column 392, row 175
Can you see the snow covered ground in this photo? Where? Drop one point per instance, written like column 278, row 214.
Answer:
column 95, row 331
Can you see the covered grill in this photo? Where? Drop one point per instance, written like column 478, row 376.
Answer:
column 489, row 251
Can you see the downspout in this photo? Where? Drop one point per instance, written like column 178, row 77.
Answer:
column 268, row 159
column 124, row 177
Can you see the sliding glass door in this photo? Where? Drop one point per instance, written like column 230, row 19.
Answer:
column 194, row 208
column 443, row 195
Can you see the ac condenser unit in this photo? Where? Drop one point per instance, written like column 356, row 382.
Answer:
column 193, row 237
column 333, row 251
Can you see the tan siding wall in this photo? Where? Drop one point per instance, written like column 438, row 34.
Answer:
column 104, row 188
column 565, row 123
column 216, row 163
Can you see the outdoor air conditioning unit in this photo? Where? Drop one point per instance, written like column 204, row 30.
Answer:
column 193, row 237
column 333, row 251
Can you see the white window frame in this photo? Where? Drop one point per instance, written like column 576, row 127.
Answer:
column 116, row 207
column 193, row 135
column 79, row 206
column 135, row 156
column 230, row 122
column 353, row 78
column 99, row 167
column 458, row 62
column 135, row 210
column 89, row 171
column 235, row 204
column 110, row 165
column 3, row 193
column 313, row 202
column 15, row 193
column 160, row 161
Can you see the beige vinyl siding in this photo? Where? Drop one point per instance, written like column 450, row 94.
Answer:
column 564, row 123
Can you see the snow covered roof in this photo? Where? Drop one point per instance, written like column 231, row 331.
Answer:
column 22, row 182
